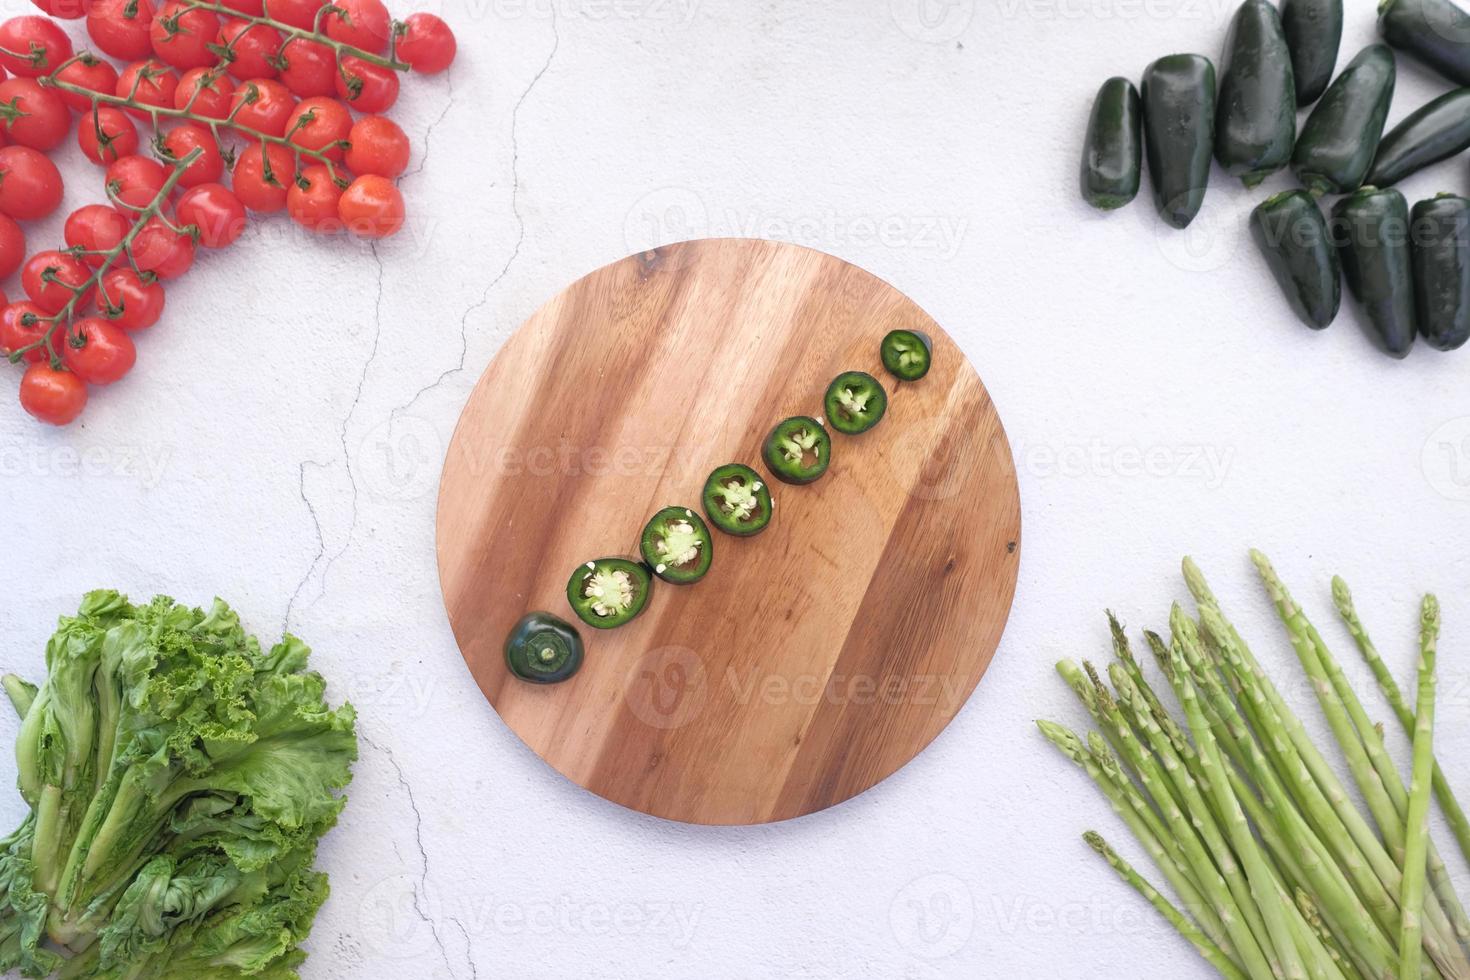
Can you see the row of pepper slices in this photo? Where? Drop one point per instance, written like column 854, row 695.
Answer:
column 218, row 110
column 676, row 545
column 1408, row 269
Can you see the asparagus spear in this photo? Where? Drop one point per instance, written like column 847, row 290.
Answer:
column 1212, row 953
column 1454, row 813
column 1355, row 730
column 1289, row 962
column 1417, row 847
column 1352, row 838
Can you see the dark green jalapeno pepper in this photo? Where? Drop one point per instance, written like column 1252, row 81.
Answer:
column 1440, row 247
column 609, row 592
column 677, row 545
column 1292, row 234
column 1340, row 139
column 1429, row 134
column 906, row 354
column 1437, row 32
column 855, row 402
column 798, row 450
column 1371, row 231
column 1179, row 133
column 543, row 649
column 1113, row 155
column 1313, row 31
column 1255, row 122
column 737, row 501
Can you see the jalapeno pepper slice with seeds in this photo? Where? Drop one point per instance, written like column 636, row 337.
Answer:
column 855, row 402
column 798, row 450
column 737, row 501
column 543, row 649
column 906, row 354
column 677, row 545
column 609, row 592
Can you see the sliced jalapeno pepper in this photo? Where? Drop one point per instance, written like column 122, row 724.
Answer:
column 543, row 649
column 677, row 545
column 906, row 354
column 1292, row 234
column 1440, row 246
column 798, row 450
column 737, row 501
column 609, row 592
column 855, row 402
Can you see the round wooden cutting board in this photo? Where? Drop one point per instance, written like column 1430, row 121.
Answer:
column 815, row 658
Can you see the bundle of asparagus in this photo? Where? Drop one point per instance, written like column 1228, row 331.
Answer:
column 1279, row 875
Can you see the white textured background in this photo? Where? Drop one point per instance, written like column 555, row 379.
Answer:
column 280, row 440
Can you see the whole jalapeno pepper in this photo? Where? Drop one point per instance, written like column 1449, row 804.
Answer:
column 1292, row 234
column 1440, row 247
column 1435, row 131
column 1371, row 231
column 1313, row 31
column 1437, row 32
column 1340, row 139
column 1112, row 157
column 1179, row 133
column 1255, row 123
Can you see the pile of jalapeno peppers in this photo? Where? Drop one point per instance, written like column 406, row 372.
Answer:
column 676, row 545
column 1408, row 268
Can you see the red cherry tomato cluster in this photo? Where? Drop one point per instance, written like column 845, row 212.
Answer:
column 218, row 108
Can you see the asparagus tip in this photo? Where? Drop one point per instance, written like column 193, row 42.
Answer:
column 1095, row 841
column 1342, row 596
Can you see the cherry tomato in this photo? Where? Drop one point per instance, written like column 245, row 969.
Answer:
column 34, row 116
column 51, row 396
column 361, row 23
column 128, row 301
column 215, row 92
column 426, row 43
column 365, row 86
column 371, row 207
column 150, row 82
column 159, row 249
column 180, row 141
column 50, row 279
column 181, row 36
column 312, row 200
column 320, row 124
column 96, row 228
column 377, row 146
column 22, row 324
column 120, row 27
column 98, row 351
column 297, row 13
column 215, row 211
column 250, row 8
column 253, row 47
column 30, row 184
column 12, row 246
column 63, row 9
column 91, row 73
column 32, row 45
column 134, row 182
column 259, row 188
column 264, row 105
column 310, row 67
column 107, row 134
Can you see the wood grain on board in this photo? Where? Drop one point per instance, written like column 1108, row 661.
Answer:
column 815, row 658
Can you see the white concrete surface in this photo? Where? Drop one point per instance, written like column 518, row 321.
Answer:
column 279, row 445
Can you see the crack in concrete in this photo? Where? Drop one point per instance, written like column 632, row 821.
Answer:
column 429, row 130
column 515, row 194
column 418, row 834
column 321, row 542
